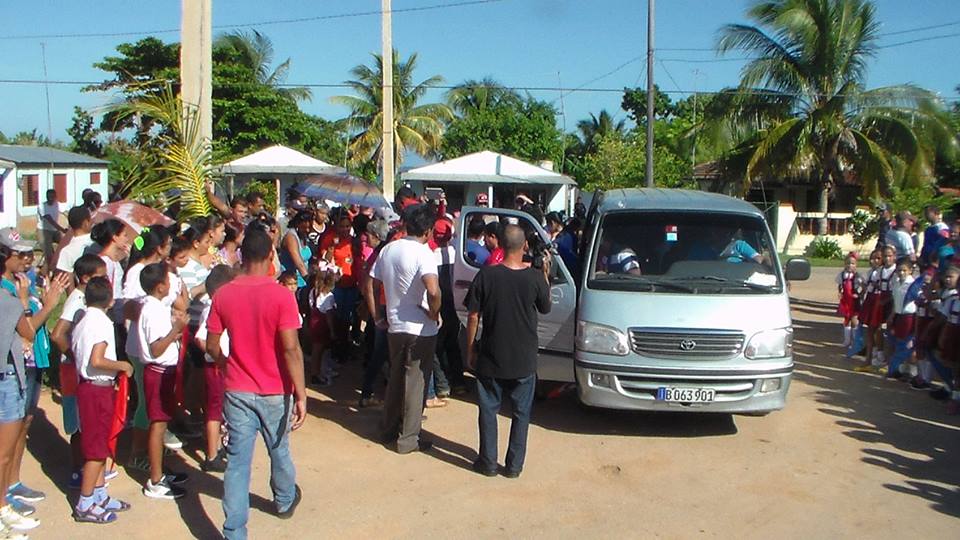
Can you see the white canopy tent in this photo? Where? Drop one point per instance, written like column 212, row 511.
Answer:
column 284, row 166
column 500, row 176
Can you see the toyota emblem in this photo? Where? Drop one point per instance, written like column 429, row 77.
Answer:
column 688, row 345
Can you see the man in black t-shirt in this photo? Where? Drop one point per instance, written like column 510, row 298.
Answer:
column 507, row 298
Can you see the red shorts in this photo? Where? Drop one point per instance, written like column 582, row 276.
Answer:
column 95, row 405
column 319, row 328
column 159, row 388
column 214, row 384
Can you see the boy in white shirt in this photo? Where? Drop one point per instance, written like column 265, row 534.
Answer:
column 95, row 351
column 86, row 268
column 159, row 331
column 902, row 318
column 216, row 460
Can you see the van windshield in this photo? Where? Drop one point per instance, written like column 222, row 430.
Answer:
column 684, row 252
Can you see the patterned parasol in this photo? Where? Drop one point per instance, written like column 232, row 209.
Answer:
column 134, row 214
column 342, row 188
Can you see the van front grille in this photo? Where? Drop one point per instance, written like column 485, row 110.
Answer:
column 716, row 344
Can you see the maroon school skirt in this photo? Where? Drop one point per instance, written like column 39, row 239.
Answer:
column 903, row 325
column 950, row 343
column 923, row 341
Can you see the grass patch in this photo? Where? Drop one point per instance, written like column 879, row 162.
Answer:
column 815, row 262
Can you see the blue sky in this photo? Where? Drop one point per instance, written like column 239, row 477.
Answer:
column 524, row 43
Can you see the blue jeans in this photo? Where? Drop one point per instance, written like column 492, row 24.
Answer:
column 246, row 415
column 489, row 398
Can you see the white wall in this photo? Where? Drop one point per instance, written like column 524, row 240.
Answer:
column 78, row 179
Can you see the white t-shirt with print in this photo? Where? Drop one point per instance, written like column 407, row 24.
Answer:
column 401, row 266
column 94, row 328
column 73, row 251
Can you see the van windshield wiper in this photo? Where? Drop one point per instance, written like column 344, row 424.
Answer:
column 728, row 281
column 653, row 283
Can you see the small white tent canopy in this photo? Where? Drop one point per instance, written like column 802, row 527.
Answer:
column 281, row 165
column 501, row 177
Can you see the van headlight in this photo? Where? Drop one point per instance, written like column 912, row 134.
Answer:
column 770, row 344
column 601, row 339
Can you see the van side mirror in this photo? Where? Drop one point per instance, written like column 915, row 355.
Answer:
column 797, row 270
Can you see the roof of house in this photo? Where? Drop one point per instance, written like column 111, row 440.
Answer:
column 486, row 167
column 279, row 160
column 43, row 156
column 673, row 199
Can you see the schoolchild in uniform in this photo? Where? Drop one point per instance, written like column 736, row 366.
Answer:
column 949, row 340
column 938, row 355
column 849, row 286
column 928, row 302
column 901, row 320
column 871, row 293
column 94, row 348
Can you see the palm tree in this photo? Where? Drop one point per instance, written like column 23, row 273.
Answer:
column 176, row 165
column 807, row 111
column 594, row 129
column 416, row 126
column 255, row 51
column 474, row 96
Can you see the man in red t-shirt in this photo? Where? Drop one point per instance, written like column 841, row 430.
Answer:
column 263, row 382
column 340, row 247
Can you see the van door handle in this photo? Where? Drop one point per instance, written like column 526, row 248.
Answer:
column 462, row 284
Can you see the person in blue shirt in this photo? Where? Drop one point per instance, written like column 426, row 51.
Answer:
column 735, row 249
column 948, row 250
column 934, row 236
column 476, row 251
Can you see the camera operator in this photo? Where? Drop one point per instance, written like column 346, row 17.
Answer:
column 507, row 297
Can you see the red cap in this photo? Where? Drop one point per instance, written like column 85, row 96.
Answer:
column 482, row 199
column 442, row 230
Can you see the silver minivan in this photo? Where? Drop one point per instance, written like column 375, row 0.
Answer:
column 677, row 302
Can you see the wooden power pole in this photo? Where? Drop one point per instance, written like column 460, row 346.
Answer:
column 650, row 93
column 196, row 63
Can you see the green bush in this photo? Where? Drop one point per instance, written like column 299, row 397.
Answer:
column 863, row 226
column 263, row 187
column 824, row 248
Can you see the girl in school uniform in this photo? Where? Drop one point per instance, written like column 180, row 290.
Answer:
column 949, row 339
column 870, row 294
column 928, row 302
column 849, row 285
column 901, row 320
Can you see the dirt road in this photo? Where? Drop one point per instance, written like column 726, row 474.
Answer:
column 852, row 455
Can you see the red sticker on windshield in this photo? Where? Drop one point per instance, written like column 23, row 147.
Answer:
column 671, row 233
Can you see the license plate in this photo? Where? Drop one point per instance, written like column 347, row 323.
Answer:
column 686, row 395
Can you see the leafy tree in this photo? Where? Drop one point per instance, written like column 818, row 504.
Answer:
column 635, row 103
column 418, row 127
column 595, row 128
column 620, row 162
column 812, row 58
column 32, row 138
column 84, row 134
column 255, row 51
column 473, row 96
column 526, row 130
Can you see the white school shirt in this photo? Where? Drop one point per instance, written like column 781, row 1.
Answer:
column 155, row 323
column 899, row 295
column 324, row 302
column 202, row 333
column 94, row 328
column 74, row 304
column 947, row 297
column 401, row 266
column 885, row 280
column 72, row 251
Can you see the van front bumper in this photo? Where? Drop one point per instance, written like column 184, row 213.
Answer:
column 635, row 387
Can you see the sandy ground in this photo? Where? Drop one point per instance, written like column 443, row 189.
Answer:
column 852, row 455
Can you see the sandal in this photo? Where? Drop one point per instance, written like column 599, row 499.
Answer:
column 94, row 514
column 115, row 505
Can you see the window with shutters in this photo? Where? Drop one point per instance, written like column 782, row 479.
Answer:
column 94, row 178
column 60, row 186
column 30, row 189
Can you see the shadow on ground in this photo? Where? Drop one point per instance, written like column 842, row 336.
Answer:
column 902, row 429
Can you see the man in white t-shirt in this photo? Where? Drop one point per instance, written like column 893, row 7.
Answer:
column 407, row 271
column 900, row 237
column 49, row 228
column 80, row 224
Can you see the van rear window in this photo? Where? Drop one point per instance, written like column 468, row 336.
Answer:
column 685, row 252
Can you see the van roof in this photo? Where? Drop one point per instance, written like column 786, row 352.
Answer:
column 673, row 199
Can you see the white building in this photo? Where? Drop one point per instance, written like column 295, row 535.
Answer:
column 501, row 177
column 27, row 172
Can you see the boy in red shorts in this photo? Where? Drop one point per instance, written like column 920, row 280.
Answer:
column 159, row 331
column 216, row 460
column 95, row 351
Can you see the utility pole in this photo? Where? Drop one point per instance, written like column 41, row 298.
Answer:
column 650, row 91
column 386, row 148
column 196, row 64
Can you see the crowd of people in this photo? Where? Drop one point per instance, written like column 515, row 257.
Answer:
column 212, row 329
column 904, row 314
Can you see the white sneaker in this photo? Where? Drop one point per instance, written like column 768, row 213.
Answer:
column 162, row 490
column 171, row 441
column 7, row 534
column 15, row 521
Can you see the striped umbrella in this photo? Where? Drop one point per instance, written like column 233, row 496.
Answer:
column 342, row 188
column 134, row 214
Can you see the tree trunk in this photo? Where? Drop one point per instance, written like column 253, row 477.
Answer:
column 826, row 185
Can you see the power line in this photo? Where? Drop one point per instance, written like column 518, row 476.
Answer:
column 919, row 40
column 256, row 23
column 595, row 79
column 448, row 87
column 920, row 28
